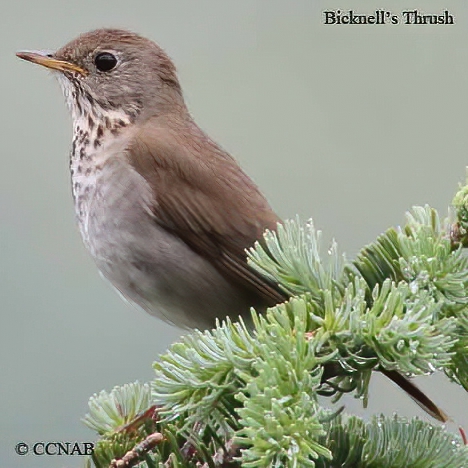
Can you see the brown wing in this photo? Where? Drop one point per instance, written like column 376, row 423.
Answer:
column 203, row 197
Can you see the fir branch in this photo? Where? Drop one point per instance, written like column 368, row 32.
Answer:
column 392, row 443
column 459, row 231
column 398, row 443
column 291, row 257
column 237, row 396
column 108, row 412
column 199, row 377
column 280, row 417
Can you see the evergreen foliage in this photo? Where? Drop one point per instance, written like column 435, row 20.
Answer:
column 248, row 396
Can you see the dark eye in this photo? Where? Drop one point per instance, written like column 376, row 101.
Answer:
column 105, row 61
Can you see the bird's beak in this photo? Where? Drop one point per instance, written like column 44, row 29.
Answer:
column 47, row 59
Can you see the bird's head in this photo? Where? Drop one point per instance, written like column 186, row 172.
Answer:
column 113, row 70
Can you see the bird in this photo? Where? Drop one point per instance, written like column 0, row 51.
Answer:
column 165, row 212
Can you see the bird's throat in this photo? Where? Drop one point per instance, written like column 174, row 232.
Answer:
column 97, row 138
column 94, row 141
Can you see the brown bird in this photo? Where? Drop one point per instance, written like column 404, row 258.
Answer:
column 165, row 212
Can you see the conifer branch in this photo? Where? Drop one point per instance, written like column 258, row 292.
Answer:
column 248, row 396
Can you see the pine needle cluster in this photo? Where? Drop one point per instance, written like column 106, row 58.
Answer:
column 248, row 396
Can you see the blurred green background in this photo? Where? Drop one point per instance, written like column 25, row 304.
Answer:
column 350, row 125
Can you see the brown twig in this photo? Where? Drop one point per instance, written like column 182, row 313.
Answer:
column 133, row 457
column 150, row 414
column 463, row 435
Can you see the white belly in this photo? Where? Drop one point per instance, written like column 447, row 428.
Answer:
column 148, row 265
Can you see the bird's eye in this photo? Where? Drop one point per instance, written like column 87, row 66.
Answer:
column 105, row 61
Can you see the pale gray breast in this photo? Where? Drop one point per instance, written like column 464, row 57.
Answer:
column 148, row 265
column 115, row 208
